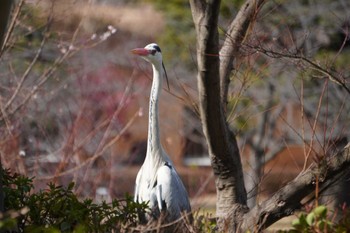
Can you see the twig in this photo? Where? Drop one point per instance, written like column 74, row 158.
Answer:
column 101, row 145
column 327, row 73
column 43, row 78
column 26, row 74
column 93, row 158
column 313, row 138
column 11, row 26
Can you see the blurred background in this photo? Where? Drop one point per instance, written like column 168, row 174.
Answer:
column 74, row 101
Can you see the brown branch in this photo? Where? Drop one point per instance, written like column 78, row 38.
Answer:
column 274, row 151
column 2, row 194
column 72, row 49
column 99, row 154
column 235, row 35
column 332, row 77
column 290, row 198
column 12, row 24
column 26, row 74
column 43, row 79
column 5, row 11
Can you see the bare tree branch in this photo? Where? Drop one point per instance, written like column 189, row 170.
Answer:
column 235, row 35
column 5, row 12
column 332, row 76
column 42, row 80
column 26, row 74
column 97, row 154
column 290, row 198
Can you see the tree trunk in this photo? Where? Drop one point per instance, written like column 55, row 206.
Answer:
column 222, row 145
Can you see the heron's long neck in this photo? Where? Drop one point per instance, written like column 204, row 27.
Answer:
column 154, row 147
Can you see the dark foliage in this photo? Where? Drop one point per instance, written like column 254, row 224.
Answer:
column 58, row 209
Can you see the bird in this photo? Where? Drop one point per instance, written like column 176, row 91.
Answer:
column 157, row 181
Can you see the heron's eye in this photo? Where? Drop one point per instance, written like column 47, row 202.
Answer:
column 153, row 51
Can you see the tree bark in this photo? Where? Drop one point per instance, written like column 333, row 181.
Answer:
column 222, row 145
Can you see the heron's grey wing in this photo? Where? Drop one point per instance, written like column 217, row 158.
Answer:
column 171, row 193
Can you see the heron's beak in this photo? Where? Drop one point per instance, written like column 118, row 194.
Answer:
column 140, row 51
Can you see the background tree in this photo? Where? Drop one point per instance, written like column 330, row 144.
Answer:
column 263, row 120
column 213, row 79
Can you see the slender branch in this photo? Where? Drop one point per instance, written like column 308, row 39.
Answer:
column 266, row 115
column 26, row 74
column 290, row 198
column 101, row 147
column 2, row 195
column 331, row 76
column 71, row 51
column 43, row 78
column 235, row 35
column 11, row 26
column 100, row 153
column 273, row 152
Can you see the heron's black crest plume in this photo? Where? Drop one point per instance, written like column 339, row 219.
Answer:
column 157, row 48
column 166, row 75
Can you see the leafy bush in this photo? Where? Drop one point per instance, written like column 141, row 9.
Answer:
column 58, row 209
column 318, row 220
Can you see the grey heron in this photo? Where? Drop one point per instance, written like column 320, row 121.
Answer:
column 157, row 182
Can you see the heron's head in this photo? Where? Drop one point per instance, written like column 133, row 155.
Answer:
column 150, row 53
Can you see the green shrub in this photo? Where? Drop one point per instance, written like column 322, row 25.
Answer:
column 58, row 209
column 319, row 220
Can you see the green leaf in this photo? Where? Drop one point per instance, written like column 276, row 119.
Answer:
column 310, row 218
column 320, row 211
column 296, row 222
